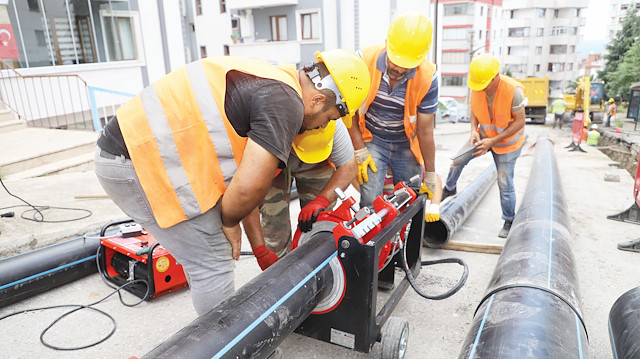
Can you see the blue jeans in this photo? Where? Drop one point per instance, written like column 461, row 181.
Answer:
column 394, row 155
column 505, row 164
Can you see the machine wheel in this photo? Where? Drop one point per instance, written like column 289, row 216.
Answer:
column 395, row 335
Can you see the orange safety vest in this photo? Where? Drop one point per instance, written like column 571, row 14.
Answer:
column 183, row 148
column 501, row 115
column 417, row 88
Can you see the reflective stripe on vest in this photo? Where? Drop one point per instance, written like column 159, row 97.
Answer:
column 417, row 89
column 491, row 126
column 183, row 148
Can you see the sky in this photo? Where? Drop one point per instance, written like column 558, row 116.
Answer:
column 597, row 19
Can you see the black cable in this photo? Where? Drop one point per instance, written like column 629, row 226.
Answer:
column 38, row 210
column 448, row 293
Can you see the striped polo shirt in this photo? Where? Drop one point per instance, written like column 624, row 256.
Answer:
column 385, row 116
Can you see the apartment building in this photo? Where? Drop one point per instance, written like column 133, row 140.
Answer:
column 617, row 12
column 467, row 28
column 541, row 38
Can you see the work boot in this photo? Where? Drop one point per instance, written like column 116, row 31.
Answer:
column 446, row 193
column 631, row 246
column 505, row 229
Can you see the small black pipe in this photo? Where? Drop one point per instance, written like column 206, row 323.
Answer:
column 253, row 321
column 531, row 308
column 624, row 331
column 455, row 212
column 25, row 275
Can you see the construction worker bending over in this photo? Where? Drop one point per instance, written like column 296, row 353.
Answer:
column 196, row 151
column 395, row 125
column 316, row 180
column 497, row 125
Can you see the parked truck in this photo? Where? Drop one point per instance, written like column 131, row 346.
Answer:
column 536, row 89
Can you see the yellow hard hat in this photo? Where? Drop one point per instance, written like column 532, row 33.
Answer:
column 482, row 70
column 409, row 39
column 313, row 146
column 351, row 76
column 612, row 100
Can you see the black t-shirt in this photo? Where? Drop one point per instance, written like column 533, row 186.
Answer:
column 267, row 111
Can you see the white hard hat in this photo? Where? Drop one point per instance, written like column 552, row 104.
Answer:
column 594, row 127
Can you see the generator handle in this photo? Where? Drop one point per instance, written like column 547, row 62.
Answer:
column 111, row 224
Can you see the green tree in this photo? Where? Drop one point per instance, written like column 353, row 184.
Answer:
column 617, row 47
column 627, row 72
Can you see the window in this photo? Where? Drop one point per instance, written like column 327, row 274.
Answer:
column 40, row 39
column 555, row 67
column 454, row 80
column 512, row 14
column 569, row 66
column 488, row 12
column 479, row 34
column 203, row 52
column 576, row 12
column 573, row 30
column 541, row 12
column 556, row 13
column 572, row 49
column 557, row 49
column 540, row 31
column 538, row 50
column 279, row 28
column 310, row 26
column 458, row 9
column 33, row 5
column 558, row 30
column 537, row 67
column 638, row 5
column 508, row 50
column 555, row 85
column 519, row 68
column 455, row 57
column 518, row 32
column 481, row 10
column 624, row 6
column 455, row 33
column 223, row 6
column 198, row 7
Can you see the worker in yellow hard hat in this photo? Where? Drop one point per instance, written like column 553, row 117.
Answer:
column 611, row 112
column 497, row 126
column 194, row 153
column 268, row 229
column 394, row 128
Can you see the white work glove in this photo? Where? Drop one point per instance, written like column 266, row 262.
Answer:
column 364, row 159
column 431, row 212
column 429, row 184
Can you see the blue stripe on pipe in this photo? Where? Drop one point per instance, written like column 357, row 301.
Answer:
column 613, row 340
column 484, row 318
column 551, row 225
column 261, row 318
column 579, row 334
column 48, row 271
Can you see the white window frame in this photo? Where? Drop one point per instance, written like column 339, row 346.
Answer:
column 298, row 15
column 135, row 32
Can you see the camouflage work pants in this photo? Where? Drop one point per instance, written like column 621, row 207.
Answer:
column 274, row 212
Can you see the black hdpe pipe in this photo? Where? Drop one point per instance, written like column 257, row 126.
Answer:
column 254, row 320
column 624, row 330
column 531, row 308
column 455, row 212
column 28, row 274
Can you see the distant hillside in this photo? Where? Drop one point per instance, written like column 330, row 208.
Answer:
column 591, row 47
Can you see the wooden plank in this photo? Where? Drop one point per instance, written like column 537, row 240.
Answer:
column 473, row 247
column 90, row 196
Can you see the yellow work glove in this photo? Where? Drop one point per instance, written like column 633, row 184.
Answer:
column 364, row 159
column 429, row 184
column 431, row 212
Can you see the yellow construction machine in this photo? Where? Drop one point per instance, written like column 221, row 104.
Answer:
column 589, row 97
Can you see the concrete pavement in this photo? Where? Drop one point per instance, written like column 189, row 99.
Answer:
column 437, row 328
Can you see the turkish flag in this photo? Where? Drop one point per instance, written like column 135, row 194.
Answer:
column 8, row 46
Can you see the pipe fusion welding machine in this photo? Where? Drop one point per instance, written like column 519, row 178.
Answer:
column 135, row 258
column 327, row 288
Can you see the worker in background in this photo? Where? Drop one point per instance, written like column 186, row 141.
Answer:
column 497, row 126
column 593, row 136
column 395, row 125
column 269, row 228
column 197, row 150
column 559, row 107
column 611, row 112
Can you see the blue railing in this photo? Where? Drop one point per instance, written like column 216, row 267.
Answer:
column 107, row 100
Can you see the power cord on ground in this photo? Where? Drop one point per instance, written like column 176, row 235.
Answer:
column 412, row 281
column 37, row 210
column 88, row 306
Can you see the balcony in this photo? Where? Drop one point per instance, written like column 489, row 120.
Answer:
column 253, row 4
column 281, row 51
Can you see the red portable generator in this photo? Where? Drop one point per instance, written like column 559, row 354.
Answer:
column 135, row 258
